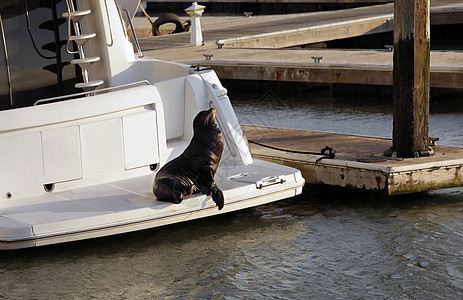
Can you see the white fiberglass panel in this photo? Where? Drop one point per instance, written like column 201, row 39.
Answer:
column 21, row 163
column 61, row 154
column 173, row 101
column 102, row 148
column 140, row 140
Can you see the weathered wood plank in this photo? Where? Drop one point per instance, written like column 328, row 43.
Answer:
column 337, row 66
column 313, row 34
column 303, row 73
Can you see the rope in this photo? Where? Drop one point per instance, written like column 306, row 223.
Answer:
column 327, row 152
column 147, row 16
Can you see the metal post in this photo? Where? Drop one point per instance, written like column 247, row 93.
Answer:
column 411, row 77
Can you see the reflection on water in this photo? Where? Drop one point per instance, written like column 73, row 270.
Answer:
column 323, row 243
column 324, row 113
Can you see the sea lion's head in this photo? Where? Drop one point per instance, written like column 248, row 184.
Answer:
column 205, row 119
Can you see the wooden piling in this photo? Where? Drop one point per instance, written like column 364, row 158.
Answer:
column 411, row 76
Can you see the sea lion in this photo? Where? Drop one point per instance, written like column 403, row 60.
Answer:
column 193, row 171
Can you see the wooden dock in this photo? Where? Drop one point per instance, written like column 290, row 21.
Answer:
column 278, row 31
column 337, row 66
column 358, row 162
column 251, row 47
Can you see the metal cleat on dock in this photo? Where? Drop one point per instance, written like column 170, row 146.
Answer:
column 247, row 14
column 208, row 56
column 433, row 141
column 316, row 59
column 219, row 44
column 389, row 47
column 427, row 152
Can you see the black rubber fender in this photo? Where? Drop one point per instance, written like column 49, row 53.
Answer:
column 168, row 18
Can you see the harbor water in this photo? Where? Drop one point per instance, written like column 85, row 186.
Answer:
column 323, row 244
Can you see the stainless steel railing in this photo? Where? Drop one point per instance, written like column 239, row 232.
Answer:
column 123, row 86
column 137, row 44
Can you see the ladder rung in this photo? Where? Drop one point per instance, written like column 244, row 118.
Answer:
column 82, row 39
column 88, row 86
column 85, row 63
column 87, row 60
column 76, row 16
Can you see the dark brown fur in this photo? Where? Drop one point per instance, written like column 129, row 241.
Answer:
column 193, row 171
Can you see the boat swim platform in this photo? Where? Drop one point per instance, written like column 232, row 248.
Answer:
column 359, row 162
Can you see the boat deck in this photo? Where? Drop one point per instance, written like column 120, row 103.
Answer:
column 129, row 205
column 359, row 162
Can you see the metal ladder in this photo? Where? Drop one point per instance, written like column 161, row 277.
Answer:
column 85, row 63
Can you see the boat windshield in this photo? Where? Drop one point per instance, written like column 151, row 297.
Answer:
column 33, row 61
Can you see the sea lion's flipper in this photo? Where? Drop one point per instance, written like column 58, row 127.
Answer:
column 166, row 189
column 217, row 196
column 178, row 197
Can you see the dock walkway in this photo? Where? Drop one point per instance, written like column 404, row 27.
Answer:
column 337, row 66
column 272, row 31
column 359, row 163
column 252, row 47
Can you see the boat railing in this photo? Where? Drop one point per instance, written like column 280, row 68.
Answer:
column 137, row 44
column 60, row 98
column 109, row 24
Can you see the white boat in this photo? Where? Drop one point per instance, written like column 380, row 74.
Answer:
column 78, row 159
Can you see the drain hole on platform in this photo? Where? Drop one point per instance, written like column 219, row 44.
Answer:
column 49, row 187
